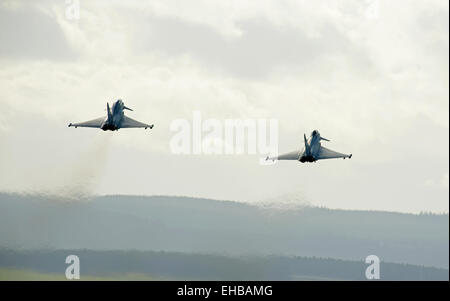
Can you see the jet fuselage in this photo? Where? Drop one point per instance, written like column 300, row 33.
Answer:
column 311, row 148
column 115, row 115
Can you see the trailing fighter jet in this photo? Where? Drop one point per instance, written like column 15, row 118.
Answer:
column 114, row 120
column 312, row 151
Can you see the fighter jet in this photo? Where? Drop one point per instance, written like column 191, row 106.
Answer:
column 114, row 120
column 312, row 151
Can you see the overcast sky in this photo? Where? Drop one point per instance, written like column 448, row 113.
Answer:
column 371, row 76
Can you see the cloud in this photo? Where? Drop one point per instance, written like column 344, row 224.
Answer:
column 441, row 183
column 261, row 49
column 375, row 86
column 444, row 181
column 29, row 33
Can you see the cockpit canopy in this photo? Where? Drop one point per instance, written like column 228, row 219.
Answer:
column 117, row 106
column 314, row 133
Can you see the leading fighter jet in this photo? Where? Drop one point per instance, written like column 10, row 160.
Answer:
column 312, row 151
column 114, row 120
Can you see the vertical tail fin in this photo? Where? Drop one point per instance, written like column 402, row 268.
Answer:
column 109, row 112
column 306, row 145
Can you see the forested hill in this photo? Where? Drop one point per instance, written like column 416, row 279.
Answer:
column 182, row 224
column 150, row 265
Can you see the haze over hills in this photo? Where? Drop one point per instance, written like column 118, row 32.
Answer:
column 191, row 225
